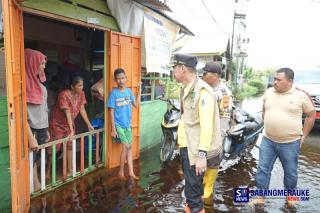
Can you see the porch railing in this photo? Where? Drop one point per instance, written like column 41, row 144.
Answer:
column 91, row 166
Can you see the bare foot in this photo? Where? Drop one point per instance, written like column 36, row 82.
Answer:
column 257, row 201
column 134, row 177
column 69, row 173
column 37, row 186
column 122, row 177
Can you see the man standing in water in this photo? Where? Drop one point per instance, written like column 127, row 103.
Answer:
column 283, row 106
column 199, row 136
column 211, row 75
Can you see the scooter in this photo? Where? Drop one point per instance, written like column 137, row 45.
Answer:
column 240, row 137
column 169, row 126
column 243, row 134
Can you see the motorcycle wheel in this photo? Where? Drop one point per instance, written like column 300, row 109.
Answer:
column 168, row 147
column 250, row 147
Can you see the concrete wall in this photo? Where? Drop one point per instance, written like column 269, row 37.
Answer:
column 151, row 116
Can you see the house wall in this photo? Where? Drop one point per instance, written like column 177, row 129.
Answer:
column 76, row 10
column 151, row 115
column 5, row 184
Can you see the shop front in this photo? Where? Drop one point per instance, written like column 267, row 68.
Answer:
column 78, row 38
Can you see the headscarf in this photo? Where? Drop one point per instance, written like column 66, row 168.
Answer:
column 33, row 59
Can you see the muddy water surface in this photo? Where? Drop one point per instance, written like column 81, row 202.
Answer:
column 161, row 187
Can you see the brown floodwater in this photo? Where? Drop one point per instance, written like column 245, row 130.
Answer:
column 161, row 187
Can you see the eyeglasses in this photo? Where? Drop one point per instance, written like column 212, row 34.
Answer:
column 176, row 65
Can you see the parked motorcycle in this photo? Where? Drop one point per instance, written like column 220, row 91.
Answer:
column 240, row 138
column 243, row 134
column 169, row 127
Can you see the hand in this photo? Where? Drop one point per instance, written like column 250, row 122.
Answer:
column 33, row 144
column 90, row 127
column 48, row 135
column 71, row 133
column 114, row 133
column 302, row 140
column 201, row 165
column 139, row 86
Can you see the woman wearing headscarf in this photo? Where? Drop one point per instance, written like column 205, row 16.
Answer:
column 37, row 108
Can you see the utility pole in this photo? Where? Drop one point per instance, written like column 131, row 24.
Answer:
column 235, row 16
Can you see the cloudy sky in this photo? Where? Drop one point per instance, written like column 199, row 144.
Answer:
column 281, row 32
column 284, row 33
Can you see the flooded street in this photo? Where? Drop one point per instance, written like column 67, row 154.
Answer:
column 161, row 188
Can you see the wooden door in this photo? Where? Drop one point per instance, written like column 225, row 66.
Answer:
column 123, row 52
column 17, row 116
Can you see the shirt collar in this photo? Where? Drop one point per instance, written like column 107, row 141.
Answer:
column 290, row 91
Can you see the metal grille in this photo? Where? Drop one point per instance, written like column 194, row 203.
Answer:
column 316, row 101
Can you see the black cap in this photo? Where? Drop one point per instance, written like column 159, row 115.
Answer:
column 182, row 59
column 213, row 67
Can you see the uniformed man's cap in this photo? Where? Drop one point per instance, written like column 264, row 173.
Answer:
column 183, row 59
column 213, row 67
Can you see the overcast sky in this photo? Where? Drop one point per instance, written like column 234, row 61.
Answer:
column 283, row 33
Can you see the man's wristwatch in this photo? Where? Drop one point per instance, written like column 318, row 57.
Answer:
column 202, row 154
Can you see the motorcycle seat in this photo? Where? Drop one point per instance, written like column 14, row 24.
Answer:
column 251, row 125
column 236, row 130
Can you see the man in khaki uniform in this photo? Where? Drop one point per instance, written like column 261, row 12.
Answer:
column 199, row 136
column 211, row 75
column 283, row 106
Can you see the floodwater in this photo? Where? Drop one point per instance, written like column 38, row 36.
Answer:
column 161, row 187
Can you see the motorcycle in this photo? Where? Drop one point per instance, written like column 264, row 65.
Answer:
column 169, row 126
column 240, row 138
column 243, row 134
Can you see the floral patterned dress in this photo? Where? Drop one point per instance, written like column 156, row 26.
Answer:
column 58, row 124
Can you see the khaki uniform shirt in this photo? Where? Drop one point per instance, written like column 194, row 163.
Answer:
column 199, row 127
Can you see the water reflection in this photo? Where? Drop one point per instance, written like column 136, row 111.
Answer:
column 161, row 187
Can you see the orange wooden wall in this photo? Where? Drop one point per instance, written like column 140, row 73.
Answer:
column 15, row 69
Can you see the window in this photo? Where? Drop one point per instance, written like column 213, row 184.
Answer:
column 153, row 86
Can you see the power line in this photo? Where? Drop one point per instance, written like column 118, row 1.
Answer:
column 214, row 20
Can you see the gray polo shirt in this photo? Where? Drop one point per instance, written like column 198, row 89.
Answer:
column 38, row 113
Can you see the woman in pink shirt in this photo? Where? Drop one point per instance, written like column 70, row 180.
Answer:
column 69, row 104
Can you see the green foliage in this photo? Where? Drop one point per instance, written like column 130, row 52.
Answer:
column 258, row 85
column 173, row 89
column 236, row 91
column 248, row 91
column 253, row 88
column 248, row 74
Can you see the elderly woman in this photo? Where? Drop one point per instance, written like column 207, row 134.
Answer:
column 69, row 104
column 37, row 108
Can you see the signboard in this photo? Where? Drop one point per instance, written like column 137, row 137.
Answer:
column 159, row 37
